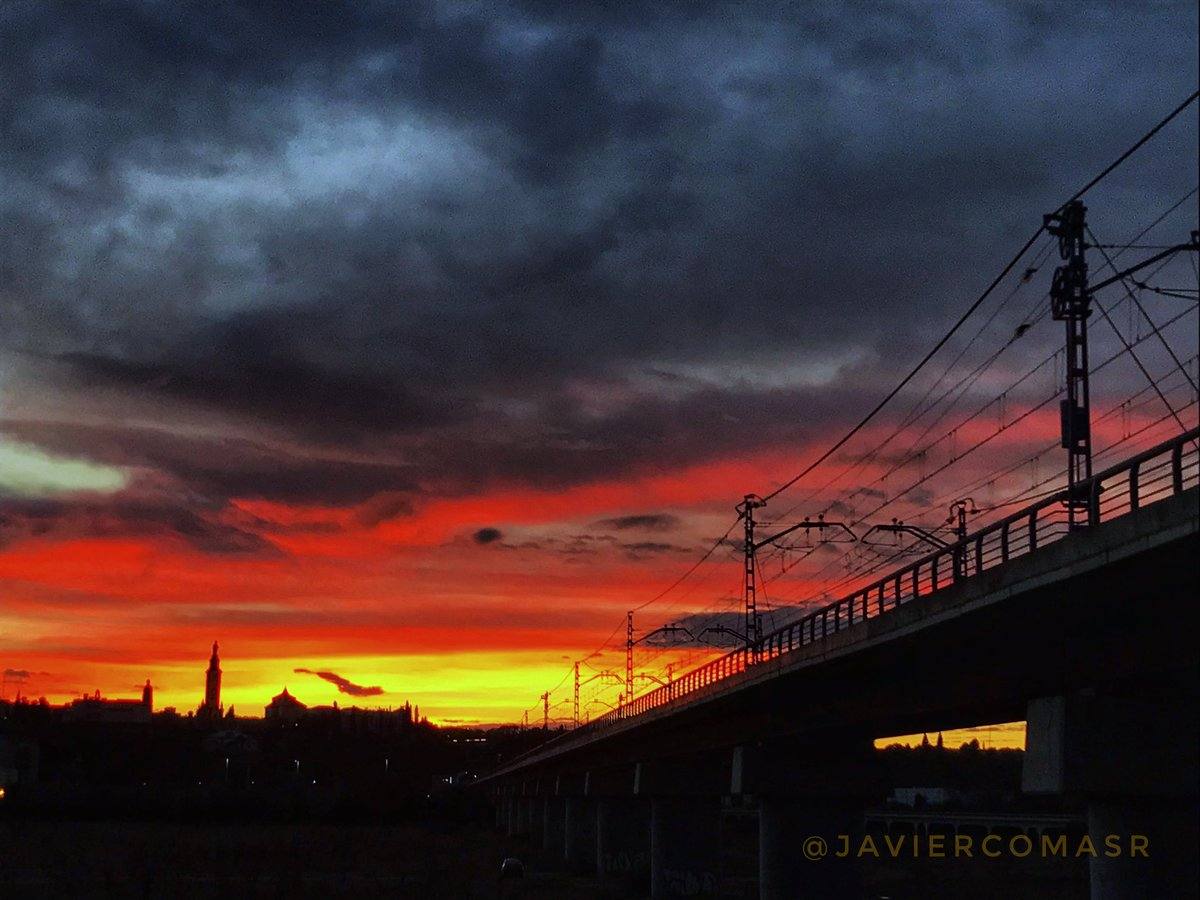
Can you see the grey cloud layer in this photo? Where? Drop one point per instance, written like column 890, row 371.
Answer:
column 442, row 246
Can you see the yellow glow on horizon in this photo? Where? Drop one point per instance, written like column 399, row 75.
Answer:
column 1002, row 736
column 450, row 688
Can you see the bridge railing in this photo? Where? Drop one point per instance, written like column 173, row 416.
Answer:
column 1163, row 471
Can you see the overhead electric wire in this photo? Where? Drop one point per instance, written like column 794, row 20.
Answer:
column 1177, row 293
column 862, row 423
column 973, row 377
column 983, row 297
column 1019, row 418
column 1023, row 496
column 1141, row 367
column 883, row 563
column 707, row 553
column 837, row 445
column 971, row 449
column 921, row 451
column 994, row 475
column 919, row 408
column 1110, row 263
column 1133, row 297
column 1123, row 406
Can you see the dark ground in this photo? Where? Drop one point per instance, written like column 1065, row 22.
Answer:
column 151, row 859
column 381, row 838
column 52, row 859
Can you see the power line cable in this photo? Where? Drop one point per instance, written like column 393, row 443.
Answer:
column 979, row 301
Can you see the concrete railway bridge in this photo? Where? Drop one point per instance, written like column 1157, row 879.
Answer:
column 1086, row 633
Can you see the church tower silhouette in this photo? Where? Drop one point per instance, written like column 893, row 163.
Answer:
column 212, row 686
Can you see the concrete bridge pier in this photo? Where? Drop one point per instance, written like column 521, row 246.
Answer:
column 579, row 834
column 622, row 823
column 537, row 810
column 685, row 824
column 810, row 805
column 1132, row 758
column 1171, row 837
column 554, row 813
column 517, row 816
column 622, row 837
column 797, row 845
column 510, row 815
column 525, row 821
column 685, row 847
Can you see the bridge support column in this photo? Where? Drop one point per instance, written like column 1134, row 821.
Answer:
column 1133, row 759
column 791, row 860
column 554, row 814
column 685, row 796
column 537, row 808
column 808, row 798
column 1168, row 868
column 579, row 834
column 685, row 846
column 622, row 837
column 511, row 814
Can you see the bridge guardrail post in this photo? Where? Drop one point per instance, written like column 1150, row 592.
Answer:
column 1093, row 511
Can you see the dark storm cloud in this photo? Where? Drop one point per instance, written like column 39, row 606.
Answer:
column 568, row 446
column 200, row 529
column 344, row 686
column 574, row 547
column 643, row 522
column 224, row 467
column 258, row 376
column 412, row 243
column 487, row 535
column 643, row 549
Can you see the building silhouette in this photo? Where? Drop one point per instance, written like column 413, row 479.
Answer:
column 211, row 707
column 284, row 708
column 95, row 708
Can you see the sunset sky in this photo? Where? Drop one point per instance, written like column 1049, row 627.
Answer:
column 417, row 343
